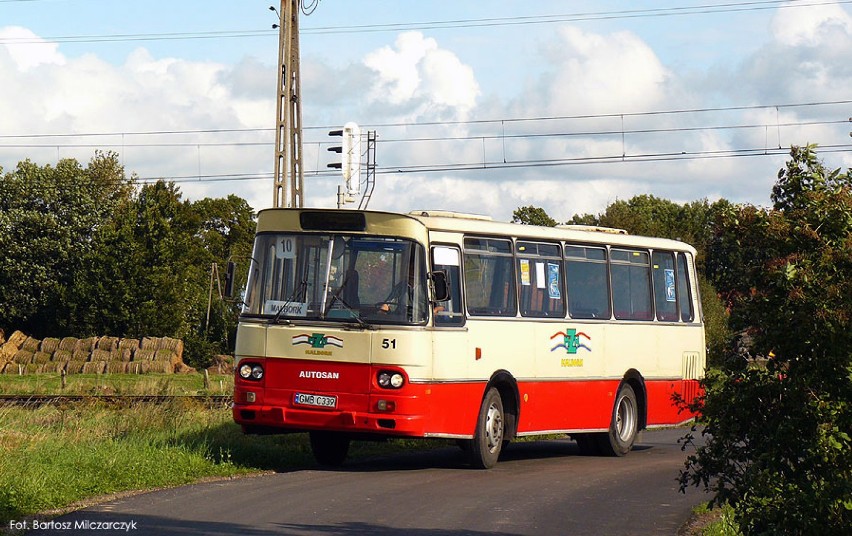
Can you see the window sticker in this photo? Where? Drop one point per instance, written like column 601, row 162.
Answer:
column 539, row 275
column 285, row 247
column 670, row 284
column 525, row 272
column 445, row 256
column 553, row 281
column 271, row 307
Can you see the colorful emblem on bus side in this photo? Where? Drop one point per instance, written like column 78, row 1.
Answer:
column 572, row 341
column 317, row 341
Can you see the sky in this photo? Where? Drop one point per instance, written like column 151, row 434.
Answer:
column 479, row 107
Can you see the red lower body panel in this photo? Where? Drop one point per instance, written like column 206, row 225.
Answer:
column 429, row 409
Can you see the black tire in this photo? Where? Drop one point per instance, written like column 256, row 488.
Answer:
column 624, row 424
column 329, row 448
column 488, row 439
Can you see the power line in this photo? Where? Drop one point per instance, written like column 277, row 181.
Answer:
column 443, row 123
column 701, row 9
column 539, row 163
column 472, row 137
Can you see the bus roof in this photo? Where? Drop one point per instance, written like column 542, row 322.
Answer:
column 476, row 224
column 484, row 225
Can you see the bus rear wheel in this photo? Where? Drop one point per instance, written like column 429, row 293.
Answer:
column 329, row 448
column 624, row 424
column 488, row 440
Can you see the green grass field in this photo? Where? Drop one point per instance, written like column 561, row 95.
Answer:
column 57, row 456
column 116, row 384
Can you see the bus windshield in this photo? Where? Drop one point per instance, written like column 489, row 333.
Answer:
column 337, row 277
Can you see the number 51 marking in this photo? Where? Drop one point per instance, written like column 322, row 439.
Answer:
column 389, row 343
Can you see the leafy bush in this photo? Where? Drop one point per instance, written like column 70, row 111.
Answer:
column 778, row 447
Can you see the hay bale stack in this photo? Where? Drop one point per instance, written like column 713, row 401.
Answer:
column 129, row 344
column 183, row 368
column 31, row 345
column 33, row 368
column 42, row 357
column 144, row 354
column 86, row 345
column 74, row 367
column 55, row 366
column 49, row 345
column 222, row 364
column 101, row 355
column 117, row 367
column 81, row 355
column 23, row 357
column 62, row 355
column 68, row 343
column 107, row 343
column 94, row 367
column 12, row 345
column 13, row 369
column 167, row 355
column 156, row 367
column 120, row 354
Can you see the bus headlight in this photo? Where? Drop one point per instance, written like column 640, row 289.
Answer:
column 390, row 380
column 251, row 371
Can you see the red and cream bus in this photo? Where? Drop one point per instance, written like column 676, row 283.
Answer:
column 444, row 325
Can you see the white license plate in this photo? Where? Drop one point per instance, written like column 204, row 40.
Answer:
column 315, row 400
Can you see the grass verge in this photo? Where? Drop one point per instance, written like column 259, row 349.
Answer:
column 56, row 456
column 116, row 384
column 707, row 522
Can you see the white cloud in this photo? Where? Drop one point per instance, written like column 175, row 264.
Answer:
column 810, row 26
column 27, row 50
column 417, row 75
column 598, row 73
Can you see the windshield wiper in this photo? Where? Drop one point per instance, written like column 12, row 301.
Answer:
column 356, row 316
column 302, row 285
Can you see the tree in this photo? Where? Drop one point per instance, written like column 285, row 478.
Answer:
column 778, row 447
column 530, row 215
column 48, row 219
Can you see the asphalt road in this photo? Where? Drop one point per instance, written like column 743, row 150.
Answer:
column 537, row 488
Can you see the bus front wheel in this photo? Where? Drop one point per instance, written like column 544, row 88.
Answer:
column 624, row 424
column 490, row 429
column 329, row 448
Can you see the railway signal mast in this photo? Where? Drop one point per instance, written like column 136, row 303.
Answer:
column 289, row 174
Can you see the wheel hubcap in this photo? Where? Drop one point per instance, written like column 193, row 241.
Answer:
column 494, row 427
column 625, row 418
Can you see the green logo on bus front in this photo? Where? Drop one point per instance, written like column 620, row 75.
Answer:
column 317, row 340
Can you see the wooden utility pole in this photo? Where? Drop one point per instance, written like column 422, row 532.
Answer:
column 289, row 175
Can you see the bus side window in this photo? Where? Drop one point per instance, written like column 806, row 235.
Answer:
column 588, row 289
column 665, row 291
column 631, row 284
column 489, row 277
column 684, row 295
column 540, row 280
column 450, row 312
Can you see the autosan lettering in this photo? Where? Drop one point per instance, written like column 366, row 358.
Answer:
column 317, row 340
column 319, row 374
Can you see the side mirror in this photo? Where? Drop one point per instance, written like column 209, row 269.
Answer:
column 229, row 279
column 440, row 288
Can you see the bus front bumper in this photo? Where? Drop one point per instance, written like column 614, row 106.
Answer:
column 259, row 416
